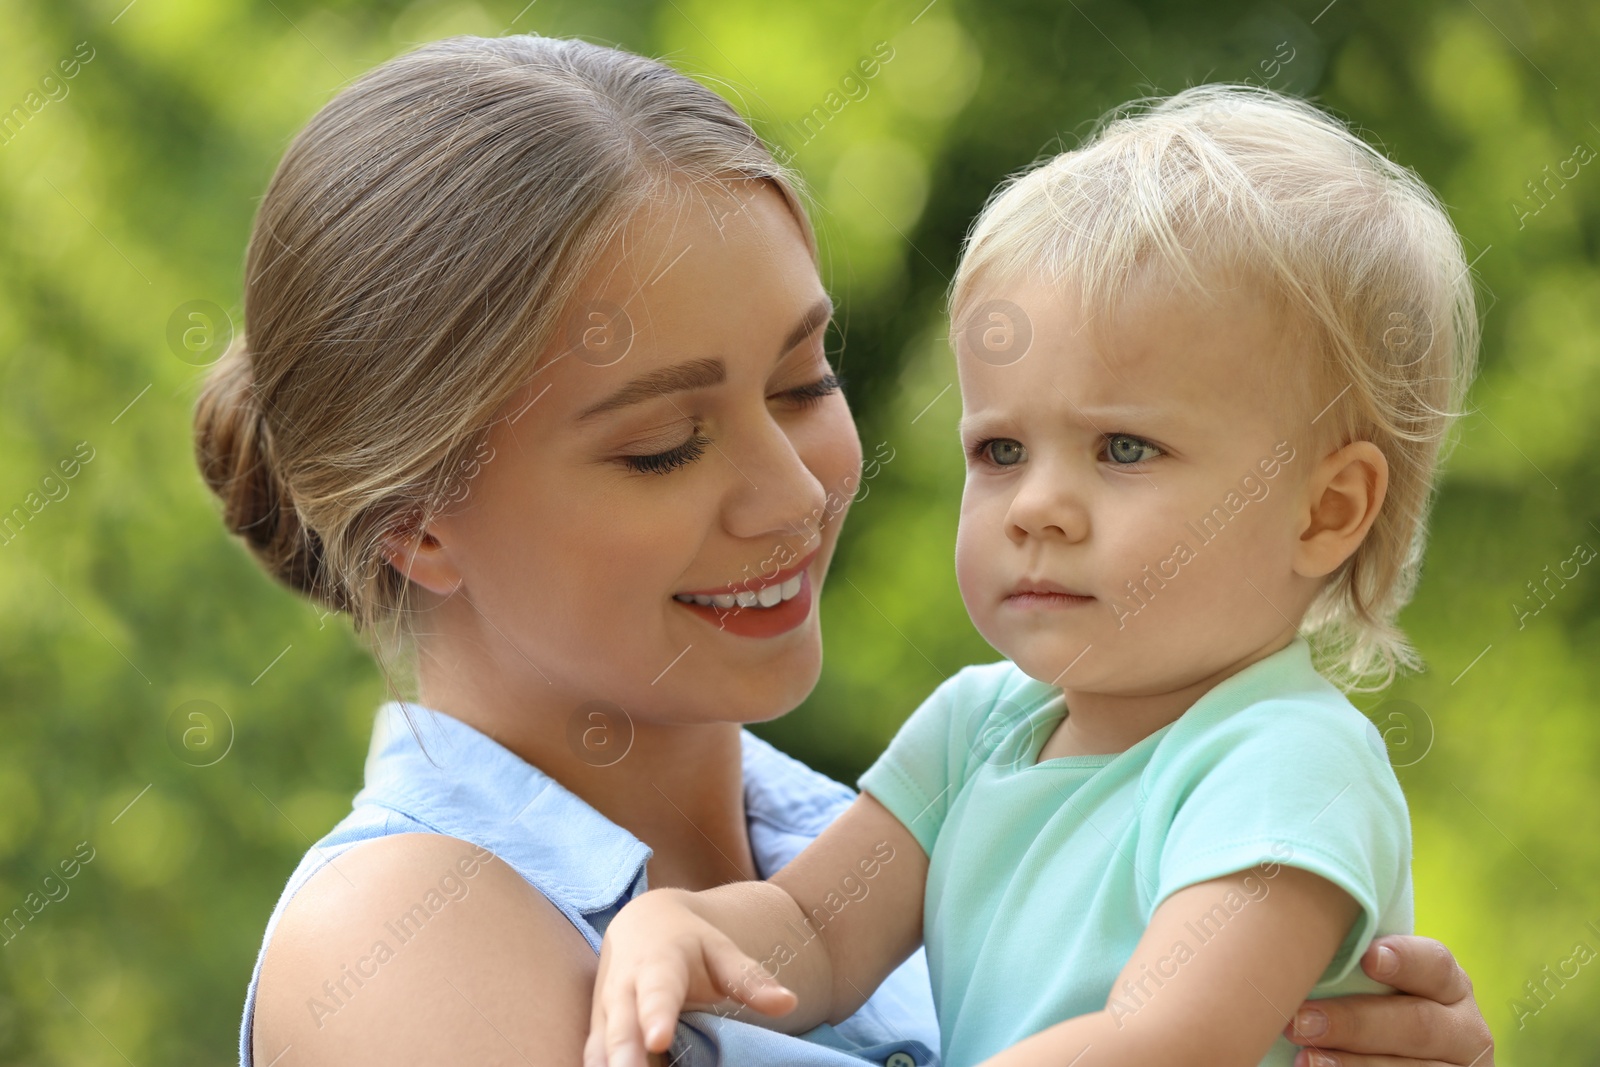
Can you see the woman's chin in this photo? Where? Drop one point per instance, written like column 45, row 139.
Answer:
column 761, row 694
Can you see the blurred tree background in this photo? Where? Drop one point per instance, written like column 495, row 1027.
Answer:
column 126, row 196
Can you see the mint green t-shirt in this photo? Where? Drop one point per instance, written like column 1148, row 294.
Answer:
column 1043, row 876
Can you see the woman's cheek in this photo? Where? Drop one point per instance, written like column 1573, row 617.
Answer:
column 833, row 455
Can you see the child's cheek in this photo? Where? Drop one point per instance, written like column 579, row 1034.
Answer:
column 976, row 567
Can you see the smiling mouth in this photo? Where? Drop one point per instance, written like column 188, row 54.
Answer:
column 768, row 606
column 768, row 596
column 766, row 591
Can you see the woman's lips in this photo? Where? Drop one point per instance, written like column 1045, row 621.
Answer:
column 757, row 582
column 758, row 621
column 760, row 607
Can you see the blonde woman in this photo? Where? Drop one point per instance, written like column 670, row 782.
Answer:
column 534, row 390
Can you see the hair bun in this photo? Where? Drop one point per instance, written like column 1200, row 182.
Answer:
column 233, row 447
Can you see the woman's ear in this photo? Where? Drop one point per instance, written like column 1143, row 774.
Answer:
column 419, row 555
column 1343, row 498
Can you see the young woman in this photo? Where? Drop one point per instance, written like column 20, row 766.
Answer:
column 534, row 389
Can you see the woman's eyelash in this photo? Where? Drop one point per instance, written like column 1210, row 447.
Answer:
column 695, row 447
column 826, row 385
column 673, row 458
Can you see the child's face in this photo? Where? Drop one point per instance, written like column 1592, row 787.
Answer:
column 1167, row 448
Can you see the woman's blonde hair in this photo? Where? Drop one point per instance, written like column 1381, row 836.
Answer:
column 1355, row 249
column 417, row 247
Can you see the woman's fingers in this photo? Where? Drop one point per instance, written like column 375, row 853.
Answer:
column 1420, row 966
column 743, row 979
column 1309, row 1058
column 1442, row 1025
column 1393, row 1025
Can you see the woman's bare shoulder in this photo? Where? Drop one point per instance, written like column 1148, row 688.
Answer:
column 421, row 948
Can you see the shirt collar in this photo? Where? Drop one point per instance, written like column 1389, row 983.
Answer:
column 463, row 783
column 476, row 789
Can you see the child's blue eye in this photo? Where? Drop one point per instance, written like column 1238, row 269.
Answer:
column 1004, row 452
column 1125, row 449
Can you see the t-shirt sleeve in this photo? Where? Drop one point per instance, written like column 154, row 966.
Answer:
column 1296, row 783
column 935, row 751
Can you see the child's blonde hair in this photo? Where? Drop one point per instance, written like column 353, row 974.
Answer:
column 1355, row 248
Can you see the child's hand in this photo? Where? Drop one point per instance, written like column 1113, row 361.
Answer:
column 660, row 957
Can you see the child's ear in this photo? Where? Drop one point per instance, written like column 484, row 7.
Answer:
column 1342, row 500
column 422, row 557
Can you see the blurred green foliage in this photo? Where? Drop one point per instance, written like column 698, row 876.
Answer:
column 128, row 190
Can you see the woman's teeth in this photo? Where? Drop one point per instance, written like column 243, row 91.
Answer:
column 766, row 597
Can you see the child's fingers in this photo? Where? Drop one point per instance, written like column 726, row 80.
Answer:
column 745, row 980
column 608, row 988
column 594, row 1049
column 662, row 988
column 623, row 1046
column 594, row 1053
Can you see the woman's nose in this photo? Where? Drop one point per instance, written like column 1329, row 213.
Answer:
column 775, row 493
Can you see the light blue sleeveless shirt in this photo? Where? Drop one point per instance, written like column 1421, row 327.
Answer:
column 479, row 791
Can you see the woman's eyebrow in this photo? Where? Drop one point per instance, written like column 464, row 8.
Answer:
column 816, row 316
column 701, row 373
column 695, row 374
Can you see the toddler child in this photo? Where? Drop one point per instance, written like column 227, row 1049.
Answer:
column 1207, row 365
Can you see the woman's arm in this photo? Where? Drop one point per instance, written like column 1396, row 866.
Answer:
column 1432, row 1023
column 486, row 971
column 1212, row 980
column 808, row 946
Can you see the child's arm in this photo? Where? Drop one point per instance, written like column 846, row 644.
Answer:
column 1221, row 1001
column 830, row 926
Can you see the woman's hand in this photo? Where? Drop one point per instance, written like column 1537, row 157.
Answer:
column 1432, row 1021
column 660, row 957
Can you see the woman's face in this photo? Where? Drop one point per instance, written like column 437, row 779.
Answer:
column 682, row 459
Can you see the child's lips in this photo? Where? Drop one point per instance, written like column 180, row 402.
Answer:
column 1043, row 593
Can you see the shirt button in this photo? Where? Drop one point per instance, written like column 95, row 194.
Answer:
column 899, row 1059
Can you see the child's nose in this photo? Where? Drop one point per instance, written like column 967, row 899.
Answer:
column 1046, row 507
